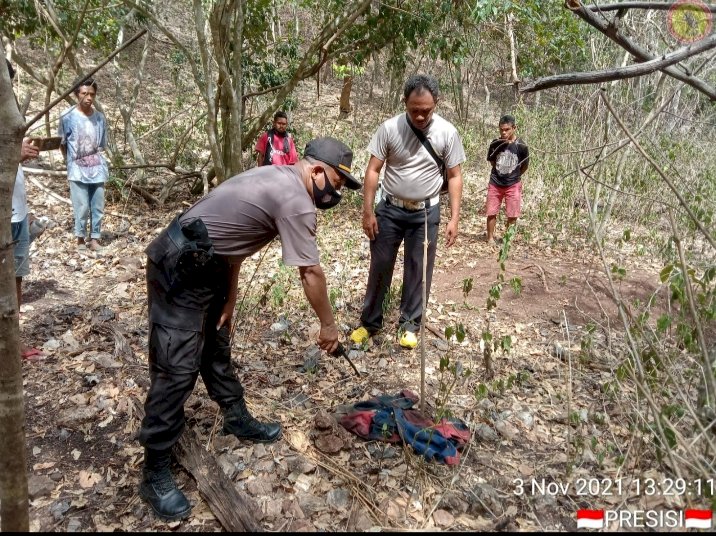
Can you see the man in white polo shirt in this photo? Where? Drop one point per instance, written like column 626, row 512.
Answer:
column 420, row 150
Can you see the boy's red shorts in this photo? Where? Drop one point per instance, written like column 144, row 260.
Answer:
column 512, row 196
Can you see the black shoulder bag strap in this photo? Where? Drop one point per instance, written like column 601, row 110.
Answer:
column 269, row 144
column 439, row 161
column 269, row 148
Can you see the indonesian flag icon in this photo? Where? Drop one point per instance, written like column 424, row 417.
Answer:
column 697, row 519
column 590, row 519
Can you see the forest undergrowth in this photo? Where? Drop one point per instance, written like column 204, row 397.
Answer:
column 580, row 352
column 565, row 403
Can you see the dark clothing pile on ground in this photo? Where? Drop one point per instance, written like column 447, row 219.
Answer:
column 392, row 418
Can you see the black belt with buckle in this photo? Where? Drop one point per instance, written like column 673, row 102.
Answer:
column 412, row 205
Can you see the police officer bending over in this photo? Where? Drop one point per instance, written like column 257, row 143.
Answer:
column 192, row 279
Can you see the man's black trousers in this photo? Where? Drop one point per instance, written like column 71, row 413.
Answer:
column 183, row 342
column 396, row 225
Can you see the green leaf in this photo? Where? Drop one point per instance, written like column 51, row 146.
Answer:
column 466, row 286
column 709, row 275
column 662, row 323
column 481, row 391
column 460, row 333
column 670, row 435
column 666, row 272
column 622, row 372
column 506, row 343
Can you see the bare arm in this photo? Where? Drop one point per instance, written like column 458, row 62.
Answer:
column 228, row 311
column 370, row 186
column 314, row 285
column 526, row 160
column 63, row 139
column 455, row 195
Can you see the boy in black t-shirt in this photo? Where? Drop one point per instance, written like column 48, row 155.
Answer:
column 509, row 157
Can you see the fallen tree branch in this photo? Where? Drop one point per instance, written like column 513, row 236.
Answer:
column 49, row 172
column 231, row 507
column 143, row 193
column 435, row 332
column 544, row 278
column 631, row 71
column 48, row 191
column 641, row 54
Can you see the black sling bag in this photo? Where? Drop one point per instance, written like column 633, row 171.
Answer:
column 269, row 146
column 439, row 161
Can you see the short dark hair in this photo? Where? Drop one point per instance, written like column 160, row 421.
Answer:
column 507, row 120
column 280, row 114
column 10, row 70
column 89, row 81
column 420, row 83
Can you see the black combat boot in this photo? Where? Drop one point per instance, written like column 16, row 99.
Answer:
column 158, row 487
column 238, row 421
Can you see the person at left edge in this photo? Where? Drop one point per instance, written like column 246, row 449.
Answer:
column 192, row 279
column 20, row 228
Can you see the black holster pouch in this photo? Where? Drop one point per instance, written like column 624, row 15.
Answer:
column 182, row 250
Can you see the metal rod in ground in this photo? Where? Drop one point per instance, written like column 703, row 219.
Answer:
column 422, row 315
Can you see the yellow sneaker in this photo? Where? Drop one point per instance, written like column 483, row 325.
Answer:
column 409, row 340
column 360, row 335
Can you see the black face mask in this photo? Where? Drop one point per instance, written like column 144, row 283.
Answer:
column 327, row 197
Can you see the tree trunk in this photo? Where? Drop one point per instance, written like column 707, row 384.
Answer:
column 513, row 57
column 226, row 22
column 345, row 105
column 126, row 106
column 396, row 82
column 68, row 45
column 14, row 506
column 208, row 89
column 374, row 78
column 225, row 57
column 296, row 25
